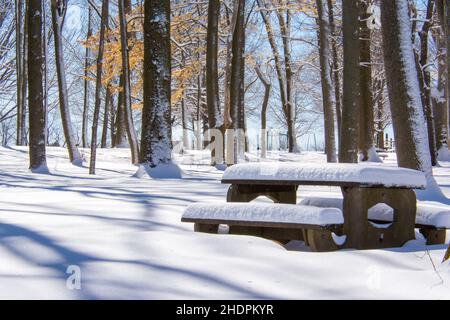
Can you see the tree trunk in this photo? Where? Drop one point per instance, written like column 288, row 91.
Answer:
column 59, row 9
column 106, row 116
column 440, row 110
column 212, row 75
column 45, row 72
column 131, row 133
column 37, row 111
column 120, row 137
column 267, row 87
column 20, row 72
column 426, row 88
column 237, row 85
column 404, row 92
column 327, row 86
column 156, row 140
column 25, row 74
column 98, row 84
column 336, row 77
column 378, row 102
column 348, row 151
column 285, row 29
column 447, row 44
column 87, row 64
column 366, row 116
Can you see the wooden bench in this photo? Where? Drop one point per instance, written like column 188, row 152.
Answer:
column 433, row 221
column 363, row 186
column 279, row 222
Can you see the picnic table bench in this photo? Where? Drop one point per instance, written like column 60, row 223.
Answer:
column 432, row 220
column 363, row 186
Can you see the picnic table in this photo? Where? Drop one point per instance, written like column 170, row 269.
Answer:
column 363, row 187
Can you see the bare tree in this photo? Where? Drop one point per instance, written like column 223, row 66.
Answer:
column 37, row 109
column 348, row 151
column 132, row 138
column 212, row 73
column 20, row 72
column 327, row 85
column 425, row 80
column 336, row 76
column 237, row 76
column 404, row 91
column 366, row 116
column 59, row 9
column 440, row 108
column 267, row 86
column 98, row 85
column 87, row 64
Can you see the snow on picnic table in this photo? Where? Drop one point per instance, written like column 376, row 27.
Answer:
column 126, row 236
column 264, row 212
column 373, row 174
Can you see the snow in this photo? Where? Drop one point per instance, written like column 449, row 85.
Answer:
column 372, row 156
column 330, row 172
column 161, row 171
column 265, row 212
column 428, row 213
column 443, row 154
column 126, row 236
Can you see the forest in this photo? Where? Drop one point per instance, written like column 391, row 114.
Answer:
column 251, row 66
column 118, row 114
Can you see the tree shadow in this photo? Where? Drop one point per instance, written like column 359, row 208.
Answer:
column 72, row 257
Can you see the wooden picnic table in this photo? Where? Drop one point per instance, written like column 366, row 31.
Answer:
column 363, row 186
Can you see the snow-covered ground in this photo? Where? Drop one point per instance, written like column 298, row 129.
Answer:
column 125, row 236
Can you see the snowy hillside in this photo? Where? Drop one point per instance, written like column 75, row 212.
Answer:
column 126, row 237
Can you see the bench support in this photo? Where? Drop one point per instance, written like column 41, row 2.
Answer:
column 433, row 235
column 206, row 228
column 320, row 240
column 361, row 234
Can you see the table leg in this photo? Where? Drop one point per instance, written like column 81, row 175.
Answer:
column 363, row 235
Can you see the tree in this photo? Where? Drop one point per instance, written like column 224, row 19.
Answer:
column 285, row 74
column 132, row 139
column 267, row 86
column 447, row 44
column 237, row 78
column 425, row 80
column 121, row 123
column 59, row 9
column 283, row 14
column 106, row 115
column 411, row 137
column 156, row 140
column 87, row 64
column 440, row 110
column 98, row 84
column 327, row 85
column 348, row 151
column 212, row 73
column 366, row 116
column 336, row 77
column 20, row 72
column 37, row 109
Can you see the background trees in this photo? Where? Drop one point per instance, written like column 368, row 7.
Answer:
column 259, row 64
